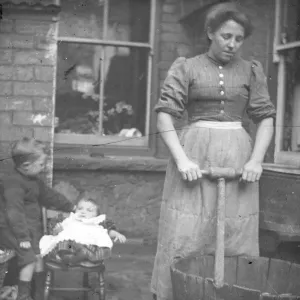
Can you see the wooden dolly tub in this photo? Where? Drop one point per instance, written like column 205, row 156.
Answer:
column 209, row 277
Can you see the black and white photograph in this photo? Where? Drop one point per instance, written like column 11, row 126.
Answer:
column 149, row 149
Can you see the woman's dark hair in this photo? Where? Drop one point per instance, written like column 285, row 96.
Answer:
column 221, row 13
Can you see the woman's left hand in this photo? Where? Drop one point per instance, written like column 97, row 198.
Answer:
column 252, row 171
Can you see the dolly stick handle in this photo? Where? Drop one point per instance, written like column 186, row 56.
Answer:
column 226, row 173
column 220, row 174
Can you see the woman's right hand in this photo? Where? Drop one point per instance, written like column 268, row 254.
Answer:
column 189, row 170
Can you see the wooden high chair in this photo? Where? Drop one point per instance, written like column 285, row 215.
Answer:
column 51, row 267
column 85, row 268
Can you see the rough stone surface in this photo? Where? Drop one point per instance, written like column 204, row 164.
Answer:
column 131, row 199
column 84, row 162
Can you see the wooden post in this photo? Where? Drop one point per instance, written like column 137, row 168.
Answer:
column 220, row 228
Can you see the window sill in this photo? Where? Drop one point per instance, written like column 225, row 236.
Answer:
column 109, row 163
column 135, row 163
column 289, row 160
column 70, row 139
column 281, row 168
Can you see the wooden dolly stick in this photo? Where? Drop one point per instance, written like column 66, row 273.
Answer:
column 220, row 174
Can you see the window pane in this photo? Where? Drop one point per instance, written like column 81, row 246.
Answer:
column 125, row 89
column 290, row 21
column 291, row 136
column 81, row 18
column 77, row 92
column 129, row 20
column 78, row 89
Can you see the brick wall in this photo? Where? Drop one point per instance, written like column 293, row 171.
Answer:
column 173, row 42
column 188, row 38
column 27, row 65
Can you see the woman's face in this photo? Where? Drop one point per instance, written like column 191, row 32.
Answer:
column 226, row 41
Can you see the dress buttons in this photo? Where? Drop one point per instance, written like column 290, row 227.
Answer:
column 222, row 102
column 221, row 75
column 222, row 111
column 222, row 93
column 220, row 67
column 221, row 82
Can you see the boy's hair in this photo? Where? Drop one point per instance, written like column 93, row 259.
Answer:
column 85, row 197
column 26, row 150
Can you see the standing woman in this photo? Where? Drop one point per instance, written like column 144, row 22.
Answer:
column 216, row 88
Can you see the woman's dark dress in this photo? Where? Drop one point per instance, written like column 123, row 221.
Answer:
column 209, row 92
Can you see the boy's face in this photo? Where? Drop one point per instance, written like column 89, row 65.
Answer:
column 36, row 167
column 86, row 210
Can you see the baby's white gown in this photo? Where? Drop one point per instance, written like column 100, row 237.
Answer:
column 87, row 232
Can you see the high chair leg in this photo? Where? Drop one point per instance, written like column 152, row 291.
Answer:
column 48, row 284
column 85, row 284
column 102, row 292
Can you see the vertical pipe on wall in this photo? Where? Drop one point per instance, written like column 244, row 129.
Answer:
column 102, row 66
column 281, row 91
column 49, row 176
column 276, row 41
column 150, row 59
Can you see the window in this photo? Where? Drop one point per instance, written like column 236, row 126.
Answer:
column 287, row 55
column 104, row 67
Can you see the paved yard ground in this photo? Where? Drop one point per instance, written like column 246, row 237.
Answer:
column 129, row 270
column 128, row 274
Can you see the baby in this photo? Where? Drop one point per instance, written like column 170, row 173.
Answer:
column 82, row 236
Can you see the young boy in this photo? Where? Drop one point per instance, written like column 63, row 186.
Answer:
column 22, row 194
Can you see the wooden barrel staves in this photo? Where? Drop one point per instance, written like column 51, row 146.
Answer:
column 246, row 278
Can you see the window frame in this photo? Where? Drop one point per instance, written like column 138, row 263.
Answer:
column 282, row 157
column 95, row 144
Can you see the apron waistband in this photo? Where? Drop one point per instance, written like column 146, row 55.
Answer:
column 217, row 125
